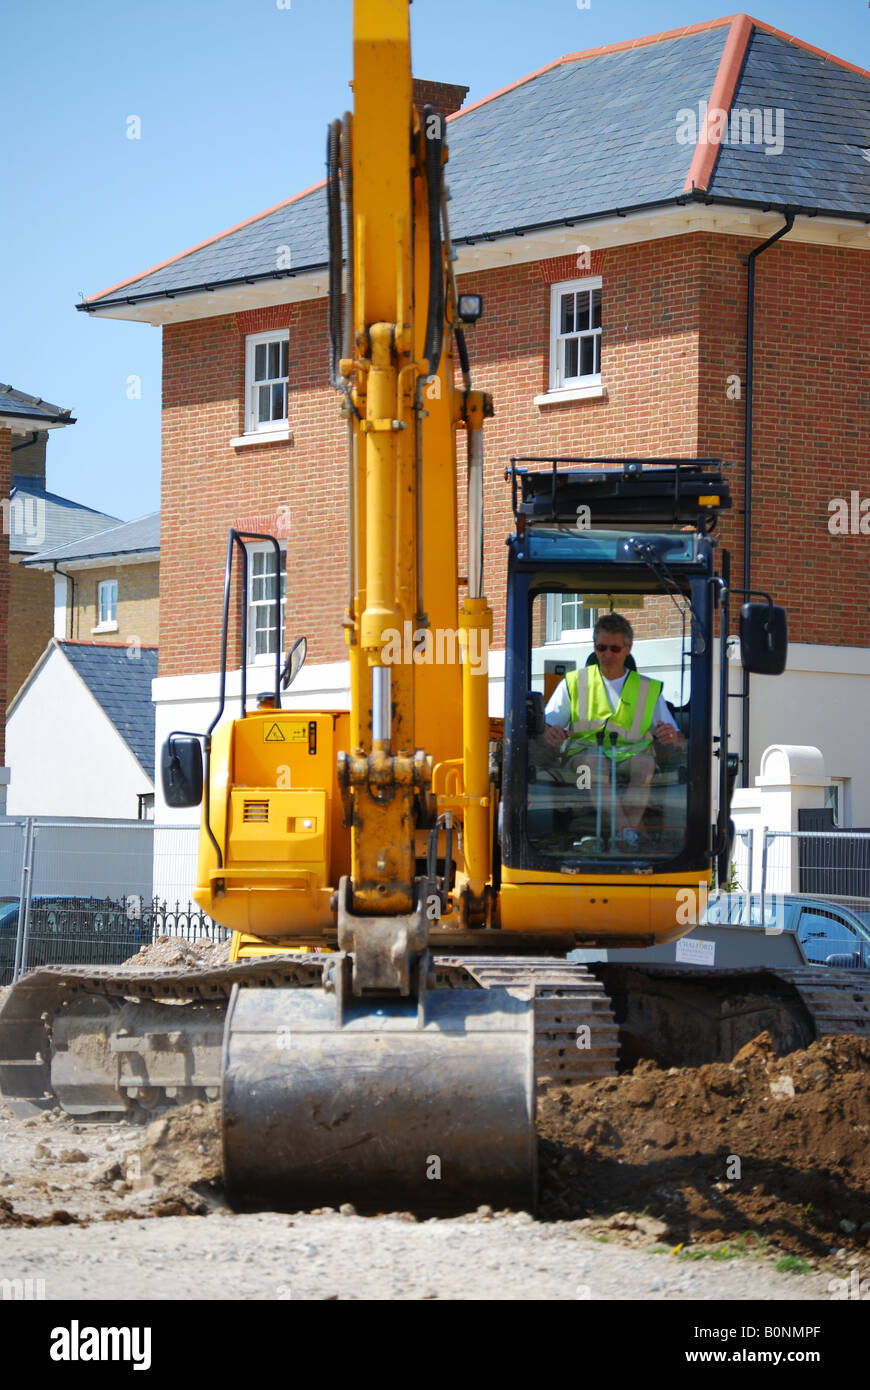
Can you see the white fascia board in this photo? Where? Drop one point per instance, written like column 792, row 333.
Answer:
column 24, row 424
column 482, row 253
column 233, row 299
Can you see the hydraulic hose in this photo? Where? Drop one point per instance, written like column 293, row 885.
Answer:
column 333, row 205
column 435, row 319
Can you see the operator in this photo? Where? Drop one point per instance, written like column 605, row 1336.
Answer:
column 619, row 701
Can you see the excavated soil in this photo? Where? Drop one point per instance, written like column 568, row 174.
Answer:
column 762, row 1153
column 773, row 1146
column 173, row 950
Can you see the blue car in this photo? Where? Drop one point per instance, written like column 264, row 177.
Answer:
column 828, row 933
column 798, row 930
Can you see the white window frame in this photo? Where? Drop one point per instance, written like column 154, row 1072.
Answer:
column 254, row 549
column 838, row 795
column 556, row 632
column 575, row 387
column 110, row 623
column 255, row 428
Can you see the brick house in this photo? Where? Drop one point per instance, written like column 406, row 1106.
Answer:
column 30, row 517
column 608, row 208
column 107, row 585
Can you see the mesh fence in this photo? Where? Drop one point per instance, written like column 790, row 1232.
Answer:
column 827, row 865
column 94, row 893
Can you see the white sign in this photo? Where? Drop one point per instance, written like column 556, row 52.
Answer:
column 695, row 952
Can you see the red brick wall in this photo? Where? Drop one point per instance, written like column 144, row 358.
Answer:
column 443, row 97
column 650, row 326
column 209, row 486
column 811, row 423
column 5, row 485
column 673, row 333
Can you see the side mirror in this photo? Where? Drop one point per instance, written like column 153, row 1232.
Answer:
column 181, row 771
column 295, row 661
column 763, row 639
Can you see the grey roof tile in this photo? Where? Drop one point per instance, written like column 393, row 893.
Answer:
column 130, row 537
column 19, row 403
column 580, row 138
column 587, row 137
column 825, row 124
column 47, row 520
column 121, row 685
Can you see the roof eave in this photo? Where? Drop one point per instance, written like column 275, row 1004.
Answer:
column 26, row 424
column 309, row 282
column 50, row 561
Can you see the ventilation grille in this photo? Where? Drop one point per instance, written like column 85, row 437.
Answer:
column 256, row 811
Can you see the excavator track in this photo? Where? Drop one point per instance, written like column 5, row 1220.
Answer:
column 576, row 1037
column 686, row 1016
column 112, row 1039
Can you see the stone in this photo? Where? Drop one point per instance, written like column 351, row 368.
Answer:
column 652, row 1226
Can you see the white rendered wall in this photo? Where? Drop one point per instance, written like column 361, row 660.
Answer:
column 65, row 755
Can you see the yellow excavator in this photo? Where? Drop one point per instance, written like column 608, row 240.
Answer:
column 405, row 880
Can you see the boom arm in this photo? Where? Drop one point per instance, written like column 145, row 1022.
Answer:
column 397, row 374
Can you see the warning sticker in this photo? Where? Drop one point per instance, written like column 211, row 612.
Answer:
column 283, row 731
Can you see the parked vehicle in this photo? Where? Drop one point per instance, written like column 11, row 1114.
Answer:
column 798, row 929
column 71, row 931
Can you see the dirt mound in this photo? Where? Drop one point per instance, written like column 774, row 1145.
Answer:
column 174, row 950
column 181, row 1152
column 777, row 1146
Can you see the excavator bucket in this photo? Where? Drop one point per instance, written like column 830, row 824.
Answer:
column 389, row 1105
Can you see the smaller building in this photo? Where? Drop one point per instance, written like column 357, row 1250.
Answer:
column 80, row 733
column 42, row 519
column 107, row 585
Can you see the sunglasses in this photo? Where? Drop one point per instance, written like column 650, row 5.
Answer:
column 609, row 647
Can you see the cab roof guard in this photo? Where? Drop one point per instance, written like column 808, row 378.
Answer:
column 658, row 491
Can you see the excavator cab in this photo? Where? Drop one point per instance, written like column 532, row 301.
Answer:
column 589, row 783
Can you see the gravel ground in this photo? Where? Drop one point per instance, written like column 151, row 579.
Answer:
column 270, row 1256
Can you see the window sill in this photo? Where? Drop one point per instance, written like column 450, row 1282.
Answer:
column 282, row 436
column 595, row 392
column 104, row 627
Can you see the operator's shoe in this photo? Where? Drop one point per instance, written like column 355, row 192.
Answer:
column 629, row 841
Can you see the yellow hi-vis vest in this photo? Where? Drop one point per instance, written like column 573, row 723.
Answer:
column 631, row 720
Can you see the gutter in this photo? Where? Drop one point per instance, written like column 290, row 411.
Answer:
column 747, row 459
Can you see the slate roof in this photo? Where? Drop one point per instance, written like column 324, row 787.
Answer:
column 19, row 403
column 826, row 128
column 130, row 538
column 55, row 520
column 587, row 136
column 122, row 688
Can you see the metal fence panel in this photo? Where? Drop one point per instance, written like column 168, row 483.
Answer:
column 13, row 834
column 743, row 852
column 176, row 850
column 94, row 893
column 834, row 865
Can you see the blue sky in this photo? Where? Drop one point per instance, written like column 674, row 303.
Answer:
column 234, row 97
